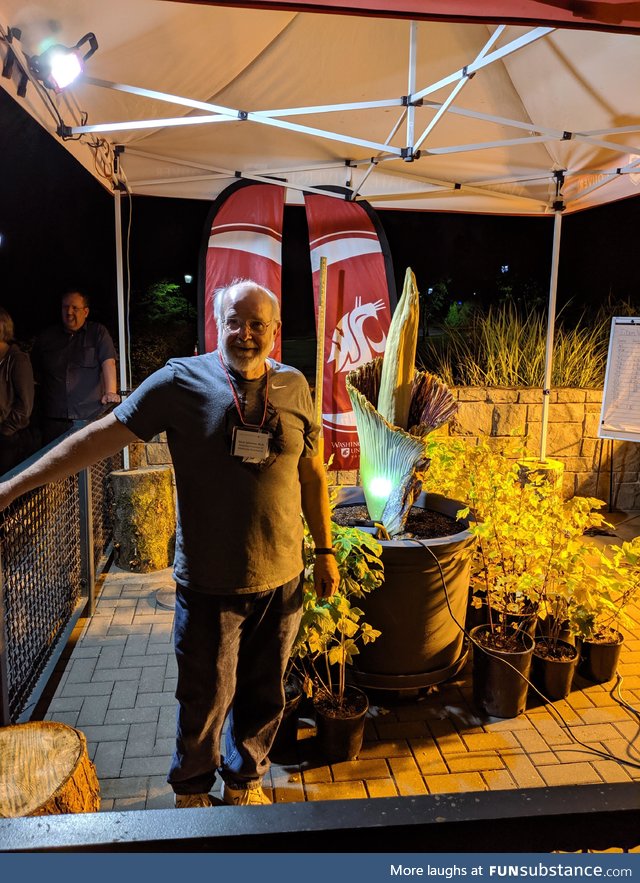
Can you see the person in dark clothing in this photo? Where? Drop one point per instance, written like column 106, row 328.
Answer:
column 16, row 398
column 75, row 368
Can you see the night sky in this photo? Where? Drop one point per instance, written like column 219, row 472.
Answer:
column 57, row 229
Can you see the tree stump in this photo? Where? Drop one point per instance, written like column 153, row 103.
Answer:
column 45, row 770
column 144, row 518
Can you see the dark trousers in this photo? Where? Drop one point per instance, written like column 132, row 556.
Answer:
column 232, row 652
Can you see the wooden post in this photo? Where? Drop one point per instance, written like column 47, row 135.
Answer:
column 322, row 308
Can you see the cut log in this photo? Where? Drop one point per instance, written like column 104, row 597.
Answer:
column 144, row 522
column 45, row 770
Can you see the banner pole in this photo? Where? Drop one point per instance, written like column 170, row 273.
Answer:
column 320, row 326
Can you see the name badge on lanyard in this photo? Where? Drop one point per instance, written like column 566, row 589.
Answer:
column 251, row 443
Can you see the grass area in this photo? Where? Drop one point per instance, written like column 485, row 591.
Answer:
column 506, row 347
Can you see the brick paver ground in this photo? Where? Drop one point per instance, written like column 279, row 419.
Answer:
column 118, row 688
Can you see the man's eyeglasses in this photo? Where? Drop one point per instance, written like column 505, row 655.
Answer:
column 255, row 326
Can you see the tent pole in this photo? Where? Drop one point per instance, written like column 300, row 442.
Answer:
column 322, row 308
column 551, row 319
column 411, row 85
column 122, row 341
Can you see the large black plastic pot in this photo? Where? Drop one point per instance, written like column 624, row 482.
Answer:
column 500, row 677
column 420, row 643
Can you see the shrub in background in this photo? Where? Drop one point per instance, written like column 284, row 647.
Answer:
column 163, row 326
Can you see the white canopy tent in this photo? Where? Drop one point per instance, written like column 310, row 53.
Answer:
column 181, row 99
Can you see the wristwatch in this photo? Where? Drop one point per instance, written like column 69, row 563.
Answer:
column 324, row 551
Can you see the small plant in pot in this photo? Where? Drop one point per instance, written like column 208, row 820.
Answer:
column 528, row 552
column 554, row 654
column 599, row 610
column 330, row 634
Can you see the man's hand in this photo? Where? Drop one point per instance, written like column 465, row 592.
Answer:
column 326, row 577
column 110, row 397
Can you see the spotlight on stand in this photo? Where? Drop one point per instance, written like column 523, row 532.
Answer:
column 59, row 66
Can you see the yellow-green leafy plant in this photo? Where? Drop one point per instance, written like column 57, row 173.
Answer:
column 332, row 629
column 395, row 408
column 530, row 558
column 611, row 582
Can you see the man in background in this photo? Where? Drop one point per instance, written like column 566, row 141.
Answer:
column 75, row 367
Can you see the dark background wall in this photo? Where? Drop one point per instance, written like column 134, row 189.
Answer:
column 57, row 229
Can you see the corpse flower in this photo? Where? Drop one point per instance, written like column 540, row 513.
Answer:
column 395, row 408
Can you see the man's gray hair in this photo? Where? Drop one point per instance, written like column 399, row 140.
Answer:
column 220, row 296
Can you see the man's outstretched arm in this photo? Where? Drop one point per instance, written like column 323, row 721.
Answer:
column 91, row 443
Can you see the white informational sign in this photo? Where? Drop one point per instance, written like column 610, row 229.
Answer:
column 620, row 415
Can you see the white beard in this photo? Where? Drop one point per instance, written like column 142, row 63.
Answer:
column 249, row 361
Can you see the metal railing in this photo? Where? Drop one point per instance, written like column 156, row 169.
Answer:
column 52, row 540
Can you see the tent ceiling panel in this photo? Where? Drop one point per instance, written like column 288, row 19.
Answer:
column 495, row 149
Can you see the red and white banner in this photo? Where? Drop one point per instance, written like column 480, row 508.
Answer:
column 360, row 294
column 243, row 241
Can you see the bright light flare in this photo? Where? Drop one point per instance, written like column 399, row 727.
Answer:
column 380, row 487
column 65, row 68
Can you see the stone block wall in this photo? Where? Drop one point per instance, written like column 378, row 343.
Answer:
column 572, row 436
column 151, row 453
column 500, row 413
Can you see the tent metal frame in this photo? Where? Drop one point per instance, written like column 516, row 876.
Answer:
column 412, row 151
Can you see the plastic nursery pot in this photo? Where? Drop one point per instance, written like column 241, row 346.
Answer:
column 500, row 677
column 600, row 658
column 340, row 733
column 553, row 676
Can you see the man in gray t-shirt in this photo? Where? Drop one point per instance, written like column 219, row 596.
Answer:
column 244, row 447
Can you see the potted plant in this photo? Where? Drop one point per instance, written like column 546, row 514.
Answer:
column 529, row 561
column 331, row 632
column 396, row 407
column 611, row 582
column 555, row 654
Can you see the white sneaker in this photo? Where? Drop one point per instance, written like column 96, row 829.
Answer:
column 253, row 796
column 188, row 801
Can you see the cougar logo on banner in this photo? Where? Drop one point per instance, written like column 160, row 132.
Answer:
column 350, row 346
